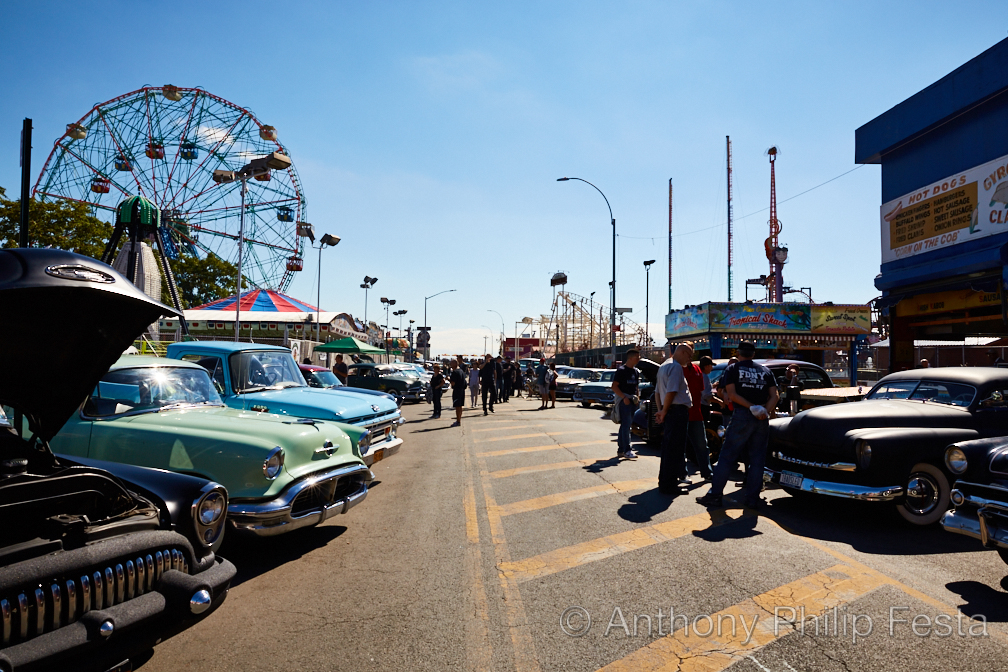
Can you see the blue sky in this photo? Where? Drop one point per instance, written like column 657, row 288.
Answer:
column 429, row 136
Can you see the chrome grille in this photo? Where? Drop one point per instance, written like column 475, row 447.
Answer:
column 59, row 601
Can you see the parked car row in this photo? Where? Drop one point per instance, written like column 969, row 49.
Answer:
column 119, row 475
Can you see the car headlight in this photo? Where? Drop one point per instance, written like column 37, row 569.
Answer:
column 955, row 459
column 863, row 451
column 365, row 441
column 208, row 513
column 273, row 464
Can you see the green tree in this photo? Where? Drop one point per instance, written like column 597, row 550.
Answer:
column 202, row 280
column 61, row 224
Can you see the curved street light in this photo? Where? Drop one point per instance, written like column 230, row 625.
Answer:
column 425, row 328
column 612, row 305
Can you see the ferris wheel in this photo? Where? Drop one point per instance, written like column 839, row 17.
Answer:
column 164, row 143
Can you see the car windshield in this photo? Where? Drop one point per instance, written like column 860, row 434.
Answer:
column 951, row 394
column 151, row 388
column 266, row 369
column 606, row 376
column 323, row 379
column 580, row 374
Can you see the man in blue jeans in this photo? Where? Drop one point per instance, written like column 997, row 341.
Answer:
column 624, row 388
column 753, row 390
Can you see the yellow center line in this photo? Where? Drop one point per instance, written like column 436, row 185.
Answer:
column 562, row 559
column 528, row 436
column 494, row 429
column 532, row 449
column 477, row 630
column 752, row 623
column 537, row 503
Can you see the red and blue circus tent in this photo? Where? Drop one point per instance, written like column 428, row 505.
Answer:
column 261, row 301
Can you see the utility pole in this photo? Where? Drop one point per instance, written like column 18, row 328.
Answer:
column 26, row 139
column 670, row 245
column 728, row 145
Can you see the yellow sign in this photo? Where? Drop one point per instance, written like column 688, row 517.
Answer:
column 841, row 319
column 940, row 215
column 940, row 302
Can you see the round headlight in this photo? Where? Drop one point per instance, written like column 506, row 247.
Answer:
column 364, row 441
column 273, row 464
column 211, row 508
column 863, row 450
column 955, row 460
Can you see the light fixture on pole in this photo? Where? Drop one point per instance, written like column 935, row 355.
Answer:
column 524, row 320
column 491, row 310
column 400, row 313
column 254, row 168
column 331, row 241
column 368, row 283
column 388, row 303
column 647, row 301
column 612, row 304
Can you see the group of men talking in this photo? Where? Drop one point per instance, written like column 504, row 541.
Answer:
column 682, row 392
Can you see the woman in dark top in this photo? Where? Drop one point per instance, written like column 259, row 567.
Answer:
column 437, row 383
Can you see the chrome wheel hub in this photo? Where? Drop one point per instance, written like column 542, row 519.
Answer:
column 922, row 494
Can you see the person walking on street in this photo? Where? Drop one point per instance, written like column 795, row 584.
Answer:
column 696, row 430
column 474, row 385
column 518, row 378
column 437, row 383
column 551, row 383
column 541, row 373
column 751, row 387
column 624, row 388
column 508, row 378
column 498, row 391
column 458, row 385
column 340, row 369
column 488, row 381
column 673, row 394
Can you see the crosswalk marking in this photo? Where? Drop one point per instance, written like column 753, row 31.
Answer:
column 496, row 429
column 816, row 594
column 517, row 471
column 528, row 436
column 533, row 449
column 575, row 495
column 562, row 559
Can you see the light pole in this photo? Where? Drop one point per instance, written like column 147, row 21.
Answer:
column 491, row 310
column 412, row 352
column 612, row 304
column 368, row 283
column 388, row 303
column 524, row 320
column 591, row 321
column 254, row 168
column 647, row 299
column 425, row 328
column 485, row 351
column 331, row 241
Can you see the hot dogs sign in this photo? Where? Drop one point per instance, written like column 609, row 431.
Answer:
column 965, row 206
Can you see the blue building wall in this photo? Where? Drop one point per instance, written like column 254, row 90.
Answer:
column 959, row 122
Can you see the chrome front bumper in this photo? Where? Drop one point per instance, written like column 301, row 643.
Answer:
column 380, row 451
column 274, row 517
column 865, row 493
column 978, row 519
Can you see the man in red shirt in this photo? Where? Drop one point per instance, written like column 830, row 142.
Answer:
column 696, row 430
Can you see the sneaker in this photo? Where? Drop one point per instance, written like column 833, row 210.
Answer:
column 630, row 455
column 491, row 410
column 710, row 500
column 455, row 424
column 484, row 412
column 685, row 480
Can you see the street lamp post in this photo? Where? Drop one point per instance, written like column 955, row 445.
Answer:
column 524, row 320
column 591, row 321
column 331, row 241
column 425, row 328
column 254, row 168
column 647, row 300
column 388, row 303
column 612, row 304
column 491, row 310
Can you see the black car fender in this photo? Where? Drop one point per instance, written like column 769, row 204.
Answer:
column 979, row 454
column 172, row 492
column 895, row 450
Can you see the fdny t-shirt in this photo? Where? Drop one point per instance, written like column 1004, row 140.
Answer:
column 752, row 381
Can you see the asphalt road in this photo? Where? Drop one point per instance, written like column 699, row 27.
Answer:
column 478, row 547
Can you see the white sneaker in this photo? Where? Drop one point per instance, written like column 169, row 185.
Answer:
column 630, row 455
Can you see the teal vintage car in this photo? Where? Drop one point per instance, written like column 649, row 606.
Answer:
column 266, row 379
column 281, row 473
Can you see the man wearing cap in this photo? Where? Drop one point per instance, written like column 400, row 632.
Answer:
column 753, row 390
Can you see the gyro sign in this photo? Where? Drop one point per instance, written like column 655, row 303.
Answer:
column 966, row 206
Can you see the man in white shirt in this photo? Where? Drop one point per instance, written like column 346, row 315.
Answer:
column 672, row 397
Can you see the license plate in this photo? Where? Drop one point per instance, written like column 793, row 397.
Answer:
column 791, row 479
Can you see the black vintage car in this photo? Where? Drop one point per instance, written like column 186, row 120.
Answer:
column 891, row 447
column 980, row 496
column 98, row 561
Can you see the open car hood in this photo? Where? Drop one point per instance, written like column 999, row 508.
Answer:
column 68, row 319
column 648, row 369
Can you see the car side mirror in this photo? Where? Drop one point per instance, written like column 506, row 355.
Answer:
column 996, row 399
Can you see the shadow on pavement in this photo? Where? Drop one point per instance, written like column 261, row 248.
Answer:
column 721, row 528
column 254, row 556
column 981, row 599
column 644, row 506
column 597, row 466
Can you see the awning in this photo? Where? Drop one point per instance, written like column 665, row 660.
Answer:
column 349, row 344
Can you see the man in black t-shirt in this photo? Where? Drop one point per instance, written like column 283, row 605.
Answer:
column 340, row 369
column 436, row 385
column 488, row 382
column 753, row 390
column 458, row 385
column 624, row 388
